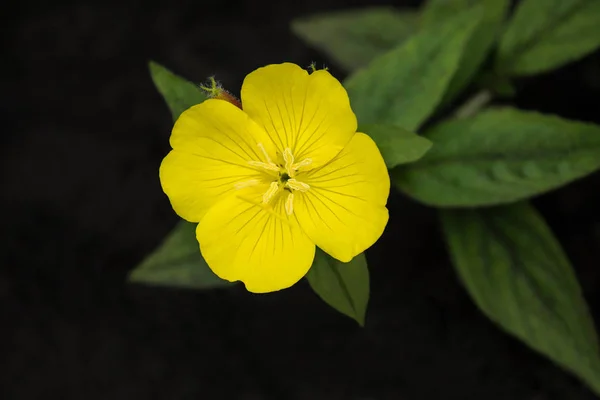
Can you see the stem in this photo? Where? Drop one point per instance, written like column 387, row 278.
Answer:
column 473, row 104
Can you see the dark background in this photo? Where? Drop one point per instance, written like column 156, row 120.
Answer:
column 83, row 134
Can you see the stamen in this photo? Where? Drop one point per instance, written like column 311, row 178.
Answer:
column 264, row 151
column 260, row 164
column 297, row 185
column 289, row 204
column 303, row 163
column 245, row 184
column 272, row 191
column 288, row 157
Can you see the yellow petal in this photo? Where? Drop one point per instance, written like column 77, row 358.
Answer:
column 344, row 210
column 240, row 239
column 310, row 114
column 213, row 143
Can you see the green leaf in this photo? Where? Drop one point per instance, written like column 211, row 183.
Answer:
column 546, row 34
column 178, row 262
column 404, row 86
column 479, row 44
column 397, row 145
column 500, row 156
column 499, row 85
column 436, row 11
column 518, row 275
column 352, row 38
column 344, row 286
column 178, row 93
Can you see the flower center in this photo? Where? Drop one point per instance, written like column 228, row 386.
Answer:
column 284, row 177
column 285, row 182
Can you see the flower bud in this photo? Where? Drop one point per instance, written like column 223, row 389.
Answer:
column 216, row 91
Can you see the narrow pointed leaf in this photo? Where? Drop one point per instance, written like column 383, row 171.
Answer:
column 480, row 43
column 177, row 262
column 397, row 145
column 179, row 94
column 344, row 286
column 518, row 275
column 404, row 86
column 500, row 156
column 546, row 34
column 436, row 11
column 352, row 38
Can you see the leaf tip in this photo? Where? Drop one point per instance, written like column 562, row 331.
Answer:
column 300, row 27
column 426, row 143
column 154, row 67
column 360, row 320
column 136, row 275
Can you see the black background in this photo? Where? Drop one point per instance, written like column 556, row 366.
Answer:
column 83, row 134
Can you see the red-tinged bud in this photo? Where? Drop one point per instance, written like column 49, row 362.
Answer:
column 216, row 91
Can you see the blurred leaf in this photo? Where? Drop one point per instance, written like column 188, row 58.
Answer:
column 500, row 85
column 397, row 145
column 352, row 38
column 437, row 11
column 479, row 44
column 178, row 93
column 404, row 86
column 546, row 34
column 344, row 286
column 500, row 156
column 518, row 275
column 178, row 262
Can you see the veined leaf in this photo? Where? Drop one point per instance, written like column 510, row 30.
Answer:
column 479, row 44
column 546, row 34
column 344, row 286
column 518, row 275
column 179, row 94
column 177, row 262
column 397, row 145
column 352, row 38
column 500, row 156
column 404, row 86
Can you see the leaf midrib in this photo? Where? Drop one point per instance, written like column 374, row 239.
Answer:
column 344, row 287
column 494, row 157
column 490, row 223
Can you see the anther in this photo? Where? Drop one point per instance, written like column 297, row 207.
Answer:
column 297, row 185
column 272, row 191
column 289, row 204
column 303, row 163
column 288, row 157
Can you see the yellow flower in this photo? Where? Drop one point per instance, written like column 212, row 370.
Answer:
column 269, row 182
